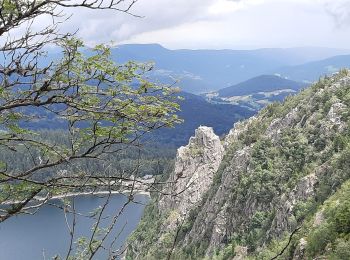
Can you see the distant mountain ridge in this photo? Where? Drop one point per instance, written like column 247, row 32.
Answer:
column 312, row 71
column 195, row 111
column 256, row 92
column 203, row 70
column 264, row 83
column 200, row 71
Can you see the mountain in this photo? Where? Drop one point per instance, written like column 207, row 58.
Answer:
column 257, row 92
column 200, row 71
column 264, row 83
column 312, row 71
column 277, row 186
column 196, row 111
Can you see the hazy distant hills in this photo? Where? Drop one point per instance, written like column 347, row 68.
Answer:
column 311, row 71
column 256, row 93
column 234, row 75
column 202, row 71
column 264, row 83
column 196, row 111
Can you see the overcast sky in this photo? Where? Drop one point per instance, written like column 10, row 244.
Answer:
column 217, row 24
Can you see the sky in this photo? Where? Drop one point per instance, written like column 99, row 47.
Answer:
column 220, row 24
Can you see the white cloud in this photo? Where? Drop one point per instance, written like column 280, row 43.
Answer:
column 340, row 11
column 96, row 26
column 220, row 23
column 253, row 24
column 229, row 6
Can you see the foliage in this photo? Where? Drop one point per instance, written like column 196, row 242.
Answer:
column 298, row 160
column 107, row 109
column 333, row 233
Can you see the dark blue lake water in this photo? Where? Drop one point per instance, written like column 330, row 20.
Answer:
column 45, row 234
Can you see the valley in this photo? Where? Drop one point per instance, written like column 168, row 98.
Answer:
column 174, row 130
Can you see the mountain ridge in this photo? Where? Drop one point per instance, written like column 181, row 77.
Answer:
column 195, row 111
column 312, row 71
column 275, row 183
column 263, row 83
column 202, row 71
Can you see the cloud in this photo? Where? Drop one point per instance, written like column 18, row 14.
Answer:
column 253, row 24
column 219, row 24
column 157, row 15
column 221, row 7
column 96, row 26
column 339, row 11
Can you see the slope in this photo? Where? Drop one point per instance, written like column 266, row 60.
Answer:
column 272, row 193
column 312, row 71
column 202, row 71
column 264, row 83
column 196, row 111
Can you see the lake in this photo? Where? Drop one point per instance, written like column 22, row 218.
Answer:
column 45, row 234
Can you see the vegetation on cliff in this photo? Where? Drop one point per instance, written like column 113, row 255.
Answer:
column 281, row 189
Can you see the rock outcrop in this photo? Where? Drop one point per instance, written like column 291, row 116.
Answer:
column 195, row 166
column 257, row 187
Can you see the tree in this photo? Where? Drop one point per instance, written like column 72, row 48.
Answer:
column 107, row 107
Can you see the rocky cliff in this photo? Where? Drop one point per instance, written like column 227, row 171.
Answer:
column 195, row 166
column 262, row 193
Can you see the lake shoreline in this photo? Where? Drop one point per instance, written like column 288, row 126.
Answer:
column 77, row 194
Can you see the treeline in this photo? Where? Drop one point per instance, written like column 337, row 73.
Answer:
column 147, row 159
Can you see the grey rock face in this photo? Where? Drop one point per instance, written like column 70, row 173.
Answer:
column 216, row 213
column 334, row 114
column 241, row 253
column 237, row 129
column 300, row 251
column 340, row 83
column 231, row 203
column 277, row 125
column 304, row 190
column 195, row 167
column 221, row 217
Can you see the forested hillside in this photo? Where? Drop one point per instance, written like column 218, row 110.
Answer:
column 257, row 92
column 264, row 83
column 280, row 190
column 146, row 159
column 194, row 111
